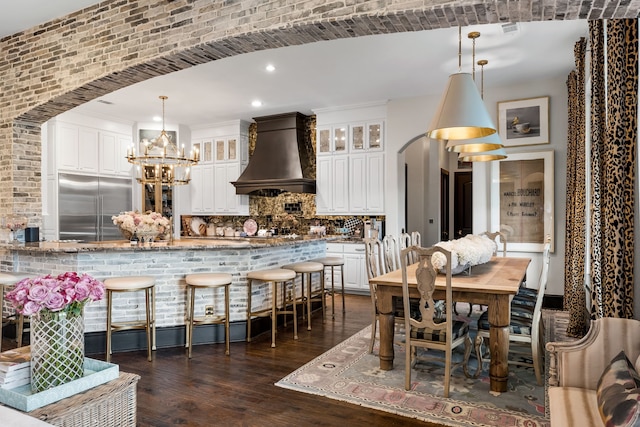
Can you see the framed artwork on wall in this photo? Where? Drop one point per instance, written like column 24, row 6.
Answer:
column 522, row 200
column 148, row 139
column 524, row 121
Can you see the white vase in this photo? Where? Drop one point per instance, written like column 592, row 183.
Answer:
column 147, row 236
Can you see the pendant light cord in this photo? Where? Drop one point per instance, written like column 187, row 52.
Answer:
column 482, row 63
column 163, row 98
column 473, row 36
column 459, row 49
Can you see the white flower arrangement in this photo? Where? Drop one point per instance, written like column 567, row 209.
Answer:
column 466, row 251
column 135, row 222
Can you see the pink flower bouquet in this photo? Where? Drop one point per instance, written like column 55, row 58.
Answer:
column 67, row 292
column 55, row 305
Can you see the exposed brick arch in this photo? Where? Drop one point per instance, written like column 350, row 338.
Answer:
column 66, row 62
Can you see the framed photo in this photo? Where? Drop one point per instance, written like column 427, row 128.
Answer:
column 524, row 121
column 522, row 200
column 148, row 139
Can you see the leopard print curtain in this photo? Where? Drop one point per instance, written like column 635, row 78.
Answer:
column 613, row 138
column 575, row 301
column 618, row 171
column 598, row 131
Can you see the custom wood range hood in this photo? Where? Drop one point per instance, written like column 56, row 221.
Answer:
column 276, row 164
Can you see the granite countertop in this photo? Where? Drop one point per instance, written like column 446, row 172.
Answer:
column 180, row 244
column 341, row 239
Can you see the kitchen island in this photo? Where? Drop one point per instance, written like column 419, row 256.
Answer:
column 168, row 263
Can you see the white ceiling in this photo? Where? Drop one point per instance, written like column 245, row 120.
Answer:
column 325, row 74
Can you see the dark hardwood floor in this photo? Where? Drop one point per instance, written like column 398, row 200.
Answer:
column 212, row 389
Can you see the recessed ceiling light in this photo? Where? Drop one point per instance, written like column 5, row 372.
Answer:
column 256, row 103
column 157, row 118
column 270, row 68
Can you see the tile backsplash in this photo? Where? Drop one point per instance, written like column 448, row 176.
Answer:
column 287, row 213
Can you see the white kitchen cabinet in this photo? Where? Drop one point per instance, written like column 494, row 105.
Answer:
column 201, row 188
column 225, row 148
column 226, row 201
column 357, row 134
column 355, row 273
column 108, row 147
column 332, row 185
column 123, row 167
column 366, row 183
column 76, row 148
column 89, row 150
column 65, row 146
column 113, row 154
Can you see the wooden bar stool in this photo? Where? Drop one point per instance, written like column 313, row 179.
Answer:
column 306, row 269
column 207, row 281
column 333, row 262
column 8, row 279
column 132, row 284
column 276, row 276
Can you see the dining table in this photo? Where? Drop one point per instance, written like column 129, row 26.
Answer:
column 492, row 284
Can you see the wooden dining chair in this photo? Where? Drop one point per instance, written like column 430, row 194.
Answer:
column 416, row 238
column 407, row 240
column 391, row 248
column 527, row 294
column 502, row 239
column 375, row 265
column 525, row 328
column 427, row 330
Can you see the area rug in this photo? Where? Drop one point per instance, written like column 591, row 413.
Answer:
column 349, row 373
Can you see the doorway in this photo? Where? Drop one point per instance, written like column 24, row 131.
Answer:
column 444, row 205
column 462, row 208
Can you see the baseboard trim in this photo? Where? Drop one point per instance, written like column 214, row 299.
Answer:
column 555, row 302
column 173, row 336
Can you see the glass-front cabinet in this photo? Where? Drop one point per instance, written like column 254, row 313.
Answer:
column 366, row 136
column 226, row 149
column 205, row 149
column 332, row 140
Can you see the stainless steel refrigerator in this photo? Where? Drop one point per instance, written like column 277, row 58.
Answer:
column 86, row 205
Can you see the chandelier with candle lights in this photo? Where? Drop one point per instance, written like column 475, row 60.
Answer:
column 161, row 161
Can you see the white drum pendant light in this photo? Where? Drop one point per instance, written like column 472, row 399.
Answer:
column 461, row 113
column 483, row 156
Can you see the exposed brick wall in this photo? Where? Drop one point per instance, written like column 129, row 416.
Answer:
column 61, row 64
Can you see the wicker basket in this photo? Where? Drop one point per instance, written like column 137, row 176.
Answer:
column 110, row 404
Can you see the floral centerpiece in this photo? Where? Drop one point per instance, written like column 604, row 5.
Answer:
column 14, row 223
column 150, row 223
column 466, row 252
column 56, row 306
